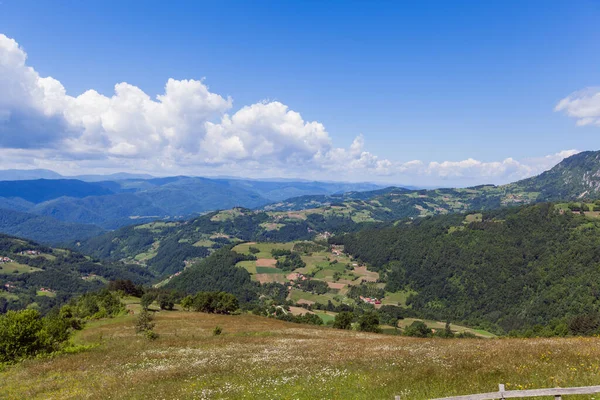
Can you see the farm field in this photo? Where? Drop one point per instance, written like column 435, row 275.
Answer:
column 265, row 248
column 16, row 268
column 333, row 267
column 397, row 298
column 47, row 294
column 261, row 358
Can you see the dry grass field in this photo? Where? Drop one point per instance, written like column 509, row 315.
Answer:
column 260, row 358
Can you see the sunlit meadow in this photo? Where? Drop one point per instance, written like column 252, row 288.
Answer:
column 260, row 358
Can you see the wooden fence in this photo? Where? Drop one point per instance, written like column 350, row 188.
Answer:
column 511, row 394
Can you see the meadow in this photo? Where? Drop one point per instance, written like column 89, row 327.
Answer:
column 262, row 358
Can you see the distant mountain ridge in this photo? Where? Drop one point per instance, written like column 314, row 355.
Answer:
column 576, row 177
column 573, row 178
column 114, row 204
column 111, row 204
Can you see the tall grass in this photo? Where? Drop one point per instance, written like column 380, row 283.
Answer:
column 260, row 358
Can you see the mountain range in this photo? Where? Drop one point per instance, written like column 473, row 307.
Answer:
column 111, row 204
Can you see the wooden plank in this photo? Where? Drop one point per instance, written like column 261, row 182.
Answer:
column 552, row 392
column 511, row 394
column 479, row 396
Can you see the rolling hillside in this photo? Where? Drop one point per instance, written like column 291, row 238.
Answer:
column 111, row 204
column 263, row 358
column 574, row 178
column 33, row 275
column 44, row 229
column 513, row 268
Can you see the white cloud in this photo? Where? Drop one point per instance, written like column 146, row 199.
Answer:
column 189, row 129
column 583, row 105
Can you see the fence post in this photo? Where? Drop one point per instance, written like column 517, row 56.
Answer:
column 558, row 397
column 501, row 390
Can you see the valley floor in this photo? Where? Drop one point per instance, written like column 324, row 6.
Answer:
column 261, row 358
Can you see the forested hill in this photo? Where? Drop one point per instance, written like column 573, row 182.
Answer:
column 33, row 275
column 510, row 268
column 575, row 178
column 44, row 229
column 166, row 247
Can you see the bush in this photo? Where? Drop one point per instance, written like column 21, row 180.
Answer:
column 343, row 320
column 217, row 331
column 187, row 302
column 25, row 334
column 253, row 250
column 146, row 300
column 369, row 322
column 165, row 302
column 215, row 302
column 144, row 323
column 446, row 333
column 151, row 335
column 418, row 329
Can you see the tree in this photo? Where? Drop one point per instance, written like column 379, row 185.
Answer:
column 25, row 333
column 165, row 301
column 343, row 320
column 187, row 302
column 253, row 250
column 446, row 333
column 418, row 329
column 146, row 300
column 369, row 322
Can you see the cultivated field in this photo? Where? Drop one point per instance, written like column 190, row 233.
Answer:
column 260, row 358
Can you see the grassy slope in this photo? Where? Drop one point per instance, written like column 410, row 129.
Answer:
column 260, row 358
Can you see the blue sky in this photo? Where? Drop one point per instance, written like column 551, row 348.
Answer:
column 432, row 81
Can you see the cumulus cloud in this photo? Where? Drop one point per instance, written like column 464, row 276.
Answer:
column 584, row 105
column 189, row 129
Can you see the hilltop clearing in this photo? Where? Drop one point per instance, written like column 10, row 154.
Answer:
column 262, row 358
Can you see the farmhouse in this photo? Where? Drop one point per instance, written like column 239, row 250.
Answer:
column 370, row 300
column 5, row 260
column 30, row 253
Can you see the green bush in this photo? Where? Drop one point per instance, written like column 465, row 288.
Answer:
column 369, row 322
column 25, row 334
column 418, row 329
column 144, row 323
column 343, row 320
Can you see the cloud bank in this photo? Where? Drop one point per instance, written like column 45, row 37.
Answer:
column 189, row 129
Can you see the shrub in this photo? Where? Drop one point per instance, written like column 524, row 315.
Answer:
column 215, row 302
column 253, row 250
column 418, row 329
column 151, row 335
column 25, row 334
column 144, row 323
column 146, row 300
column 165, row 302
column 187, row 302
column 343, row 320
column 217, row 331
column 369, row 322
